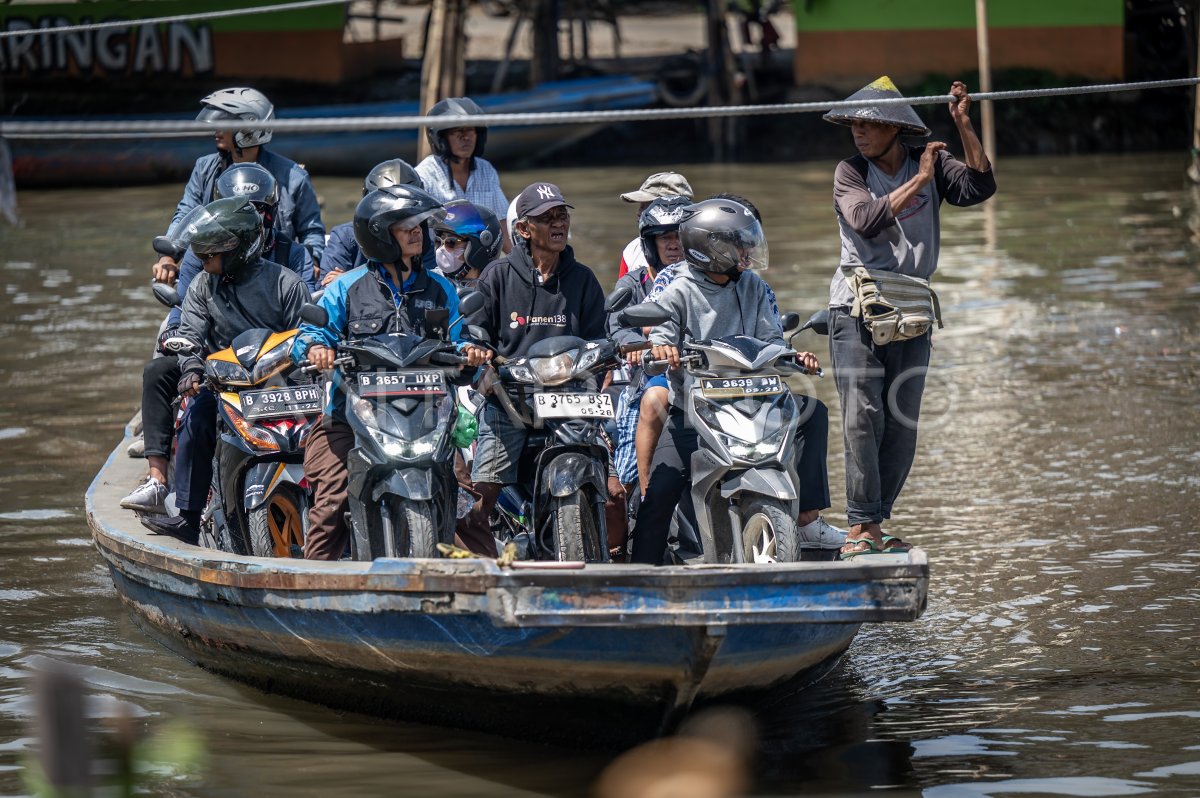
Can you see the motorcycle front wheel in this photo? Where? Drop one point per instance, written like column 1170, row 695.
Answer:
column 575, row 528
column 409, row 525
column 769, row 532
column 277, row 527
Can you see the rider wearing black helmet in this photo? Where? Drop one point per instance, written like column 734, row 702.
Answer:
column 391, row 293
column 341, row 252
column 468, row 239
column 238, row 291
column 456, row 169
column 234, row 111
column 718, row 293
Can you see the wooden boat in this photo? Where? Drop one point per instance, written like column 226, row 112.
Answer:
column 565, row 652
column 128, row 159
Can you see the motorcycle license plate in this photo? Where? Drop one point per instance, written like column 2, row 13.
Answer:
column 573, row 405
column 289, row 400
column 404, row 383
column 731, row 387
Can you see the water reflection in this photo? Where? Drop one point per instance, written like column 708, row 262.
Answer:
column 1055, row 488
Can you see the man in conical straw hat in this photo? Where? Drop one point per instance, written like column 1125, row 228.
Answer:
column 888, row 199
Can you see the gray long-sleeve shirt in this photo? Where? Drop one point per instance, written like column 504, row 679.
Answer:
column 709, row 310
column 216, row 310
column 907, row 242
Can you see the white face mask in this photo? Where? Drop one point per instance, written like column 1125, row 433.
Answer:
column 449, row 262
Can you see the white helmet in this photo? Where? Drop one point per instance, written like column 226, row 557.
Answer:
column 238, row 104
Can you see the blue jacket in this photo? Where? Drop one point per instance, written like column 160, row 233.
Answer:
column 285, row 253
column 298, row 216
column 365, row 302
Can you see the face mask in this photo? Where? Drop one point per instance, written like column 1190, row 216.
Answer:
column 449, row 263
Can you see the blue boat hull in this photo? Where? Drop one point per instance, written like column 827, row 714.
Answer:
column 126, row 160
column 534, row 651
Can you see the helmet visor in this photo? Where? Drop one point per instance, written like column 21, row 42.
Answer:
column 210, row 114
column 205, row 234
column 746, row 246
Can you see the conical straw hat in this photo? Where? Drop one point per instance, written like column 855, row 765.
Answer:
column 902, row 116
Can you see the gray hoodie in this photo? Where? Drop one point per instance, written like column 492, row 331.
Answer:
column 709, row 310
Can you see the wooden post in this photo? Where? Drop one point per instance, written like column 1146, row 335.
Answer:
column 442, row 72
column 985, row 79
column 544, row 65
column 1193, row 171
column 717, row 77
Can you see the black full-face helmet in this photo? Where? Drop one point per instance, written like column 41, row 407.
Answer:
column 663, row 215
column 239, row 105
column 384, row 207
column 230, row 227
column 395, row 172
column 720, row 235
column 455, row 112
column 251, row 182
column 481, row 229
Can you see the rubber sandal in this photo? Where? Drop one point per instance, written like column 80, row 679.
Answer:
column 850, row 555
column 894, row 545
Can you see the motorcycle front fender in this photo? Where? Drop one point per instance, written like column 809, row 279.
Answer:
column 407, row 483
column 763, row 481
column 567, row 473
column 262, row 479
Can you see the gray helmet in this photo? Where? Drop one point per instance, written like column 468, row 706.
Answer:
column 479, row 226
column 384, row 207
column 902, row 116
column 720, row 235
column 395, row 172
column 663, row 215
column 454, row 109
column 235, row 105
column 230, row 227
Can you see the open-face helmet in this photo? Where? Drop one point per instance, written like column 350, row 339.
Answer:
column 237, row 105
column 663, row 215
column 720, row 235
column 230, row 227
column 454, row 112
column 394, row 172
column 384, row 207
column 478, row 227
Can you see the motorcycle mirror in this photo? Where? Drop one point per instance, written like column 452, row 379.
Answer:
column 166, row 294
column 179, row 346
column 315, row 315
column 470, row 303
column 478, row 334
column 437, row 322
column 818, row 323
column 169, row 247
column 618, row 300
column 644, row 314
column 790, row 321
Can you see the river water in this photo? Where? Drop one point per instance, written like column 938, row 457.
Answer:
column 1056, row 490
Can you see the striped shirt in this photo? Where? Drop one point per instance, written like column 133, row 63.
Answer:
column 483, row 184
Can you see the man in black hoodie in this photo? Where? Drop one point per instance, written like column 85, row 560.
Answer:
column 535, row 292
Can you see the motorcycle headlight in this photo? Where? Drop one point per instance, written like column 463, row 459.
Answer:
column 364, row 411
column 719, row 418
column 406, row 450
column 272, row 362
column 554, row 370
column 227, row 373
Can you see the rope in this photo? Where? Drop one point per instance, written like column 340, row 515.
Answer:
column 142, row 128
column 133, row 23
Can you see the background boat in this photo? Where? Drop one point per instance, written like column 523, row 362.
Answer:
column 127, row 160
column 542, row 651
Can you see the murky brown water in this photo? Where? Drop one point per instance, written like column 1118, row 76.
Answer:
column 1057, row 490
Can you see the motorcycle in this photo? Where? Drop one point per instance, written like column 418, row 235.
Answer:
column 744, row 486
column 267, row 407
column 400, row 403
column 555, row 511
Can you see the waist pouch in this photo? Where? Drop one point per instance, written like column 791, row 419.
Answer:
column 894, row 307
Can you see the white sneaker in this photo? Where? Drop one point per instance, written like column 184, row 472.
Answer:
column 821, row 535
column 149, row 497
